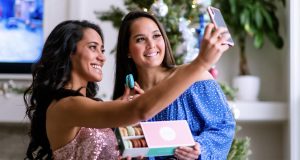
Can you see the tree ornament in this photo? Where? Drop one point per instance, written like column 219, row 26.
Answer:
column 203, row 5
column 159, row 8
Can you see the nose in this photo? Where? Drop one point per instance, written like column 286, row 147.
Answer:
column 101, row 57
column 151, row 43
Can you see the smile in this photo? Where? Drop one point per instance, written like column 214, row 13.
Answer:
column 97, row 67
column 151, row 54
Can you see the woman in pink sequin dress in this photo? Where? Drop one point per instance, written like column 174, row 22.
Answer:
column 67, row 121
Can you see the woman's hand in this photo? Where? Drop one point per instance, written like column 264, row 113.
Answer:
column 212, row 45
column 129, row 94
column 188, row 153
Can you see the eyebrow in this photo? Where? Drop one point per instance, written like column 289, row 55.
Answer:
column 93, row 43
column 96, row 43
column 143, row 34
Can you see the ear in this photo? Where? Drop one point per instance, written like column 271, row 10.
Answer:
column 71, row 55
column 129, row 55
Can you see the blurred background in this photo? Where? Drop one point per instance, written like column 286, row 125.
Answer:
column 271, row 121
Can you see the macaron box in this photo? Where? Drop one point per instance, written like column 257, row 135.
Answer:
column 150, row 139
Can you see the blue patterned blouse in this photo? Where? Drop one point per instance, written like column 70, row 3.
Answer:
column 212, row 124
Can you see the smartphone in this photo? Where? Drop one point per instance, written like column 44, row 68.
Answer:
column 218, row 20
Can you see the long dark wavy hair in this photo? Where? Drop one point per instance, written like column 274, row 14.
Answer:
column 50, row 74
column 125, row 65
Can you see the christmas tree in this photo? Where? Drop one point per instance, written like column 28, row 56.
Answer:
column 180, row 18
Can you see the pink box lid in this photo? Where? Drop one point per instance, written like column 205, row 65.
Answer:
column 167, row 133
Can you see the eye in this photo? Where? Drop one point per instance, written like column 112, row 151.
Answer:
column 93, row 47
column 102, row 50
column 140, row 39
column 155, row 36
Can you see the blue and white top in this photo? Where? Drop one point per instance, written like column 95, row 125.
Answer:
column 206, row 110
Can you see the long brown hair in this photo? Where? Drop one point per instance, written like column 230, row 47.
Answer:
column 50, row 74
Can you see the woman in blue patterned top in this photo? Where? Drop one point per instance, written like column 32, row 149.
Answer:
column 144, row 50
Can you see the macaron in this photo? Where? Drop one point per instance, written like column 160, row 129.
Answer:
column 130, row 131
column 127, row 144
column 136, row 143
column 141, row 130
column 123, row 131
column 143, row 142
column 137, row 131
column 130, row 81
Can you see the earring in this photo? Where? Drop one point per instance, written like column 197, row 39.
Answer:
column 129, row 56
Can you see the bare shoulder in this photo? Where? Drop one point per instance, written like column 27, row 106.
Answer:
column 60, row 129
column 81, row 111
column 69, row 103
column 66, row 109
column 204, row 76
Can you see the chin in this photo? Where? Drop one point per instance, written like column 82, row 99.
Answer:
column 99, row 79
column 95, row 78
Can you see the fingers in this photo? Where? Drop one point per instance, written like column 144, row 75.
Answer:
column 138, row 89
column 219, row 33
column 126, row 91
column 125, row 94
column 188, row 153
column 212, row 45
column 130, row 98
column 129, row 94
column 213, row 34
column 208, row 31
column 197, row 147
column 136, row 84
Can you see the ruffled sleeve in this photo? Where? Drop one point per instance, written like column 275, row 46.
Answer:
column 217, row 122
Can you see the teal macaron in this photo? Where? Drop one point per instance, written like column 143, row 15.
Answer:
column 130, row 81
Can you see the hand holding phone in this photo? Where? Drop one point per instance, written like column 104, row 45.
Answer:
column 218, row 20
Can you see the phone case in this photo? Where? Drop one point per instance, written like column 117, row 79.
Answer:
column 217, row 18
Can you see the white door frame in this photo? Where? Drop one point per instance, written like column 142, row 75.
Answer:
column 294, row 79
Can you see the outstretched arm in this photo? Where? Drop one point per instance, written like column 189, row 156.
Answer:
column 80, row 111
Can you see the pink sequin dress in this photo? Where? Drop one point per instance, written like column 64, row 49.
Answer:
column 89, row 144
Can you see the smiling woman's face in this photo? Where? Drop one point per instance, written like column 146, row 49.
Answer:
column 89, row 58
column 146, row 43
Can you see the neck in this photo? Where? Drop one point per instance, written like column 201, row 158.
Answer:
column 75, row 84
column 148, row 78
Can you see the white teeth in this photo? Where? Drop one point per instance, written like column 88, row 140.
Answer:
column 151, row 54
column 96, row 66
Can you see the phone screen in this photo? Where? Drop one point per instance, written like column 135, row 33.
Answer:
column 217, row 18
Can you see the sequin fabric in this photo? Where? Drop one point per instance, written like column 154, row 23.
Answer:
column 89, row 144
column 206, row 110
